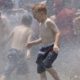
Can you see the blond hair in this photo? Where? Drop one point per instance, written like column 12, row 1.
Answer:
column 39, row 8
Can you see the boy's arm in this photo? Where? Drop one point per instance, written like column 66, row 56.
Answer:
column 57, row 39
column 33, row 43
column 30, row 44
column 55, row 29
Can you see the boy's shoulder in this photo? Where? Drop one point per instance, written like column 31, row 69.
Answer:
column 49, row 20
column 51, row 24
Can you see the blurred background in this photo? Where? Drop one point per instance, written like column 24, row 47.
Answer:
column 67, row 18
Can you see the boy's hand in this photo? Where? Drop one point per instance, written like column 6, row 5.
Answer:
column 29, row 45
column 56, row 48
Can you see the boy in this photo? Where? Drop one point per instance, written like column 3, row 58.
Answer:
column 49, row 39
column 16, row 56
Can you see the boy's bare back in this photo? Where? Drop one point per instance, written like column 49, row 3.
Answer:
column 20, row 37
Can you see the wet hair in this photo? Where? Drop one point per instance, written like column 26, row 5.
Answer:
column 39, row 8
column 26, row 19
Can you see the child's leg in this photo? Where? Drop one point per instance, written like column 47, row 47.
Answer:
column 43, row 76
column 53, row 73
column 7, row 71
column 40, row 67
column 44, row 62
column 11, row 65
column 51, row 57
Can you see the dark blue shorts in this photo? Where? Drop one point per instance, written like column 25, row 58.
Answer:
column 45, row 58
column 16, row 60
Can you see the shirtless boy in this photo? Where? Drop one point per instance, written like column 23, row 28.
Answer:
column 49, row 39
column 16, row 55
